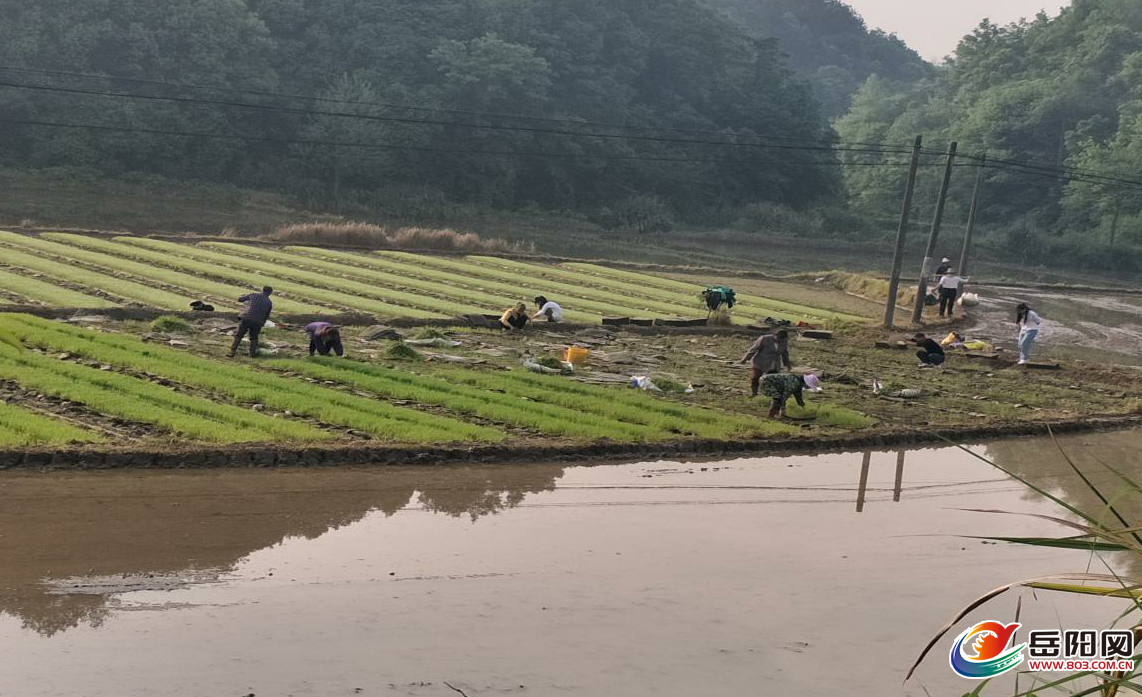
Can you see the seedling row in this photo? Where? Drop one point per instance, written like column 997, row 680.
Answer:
column 143, row 271
column 212, row 400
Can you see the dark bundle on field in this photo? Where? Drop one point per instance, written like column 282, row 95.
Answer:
column 369, row 235
column 199, row 306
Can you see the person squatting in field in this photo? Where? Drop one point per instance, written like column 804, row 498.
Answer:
column 323, row 338
column 253, row 318
column 548, row 309
column 931, row 354
column 769, row 353
column 514, row 318
column 781, row 386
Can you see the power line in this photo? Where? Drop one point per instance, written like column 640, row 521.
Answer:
column 416, row 148
column 434, row 122
column 406, row 107
column 1051, row 169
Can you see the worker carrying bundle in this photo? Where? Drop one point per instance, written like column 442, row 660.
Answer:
column 716, row 296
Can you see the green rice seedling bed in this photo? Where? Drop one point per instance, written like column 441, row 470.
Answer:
column 221, row 295
column 749, row 305
column 687, row 304
column 128, row 290
column 20, row 427
column 327, row 290
column 830, row 415
column 446, row 391
column 624, row 404
column 435, row 297
column 48, row 293
column 460, row 285
column 137, row 400
column 666, row 290
column 579, row 303
column 648, row 286
column 242, row 384
column 568, row 294
column 199, row 269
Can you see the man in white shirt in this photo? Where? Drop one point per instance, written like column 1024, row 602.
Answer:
column 949, row 286
column 548, row 309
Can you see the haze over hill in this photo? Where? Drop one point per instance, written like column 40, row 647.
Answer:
column 621, row 118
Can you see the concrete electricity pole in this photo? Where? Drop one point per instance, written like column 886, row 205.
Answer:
column 901, row 233
column 922, row 286
column 962, row 269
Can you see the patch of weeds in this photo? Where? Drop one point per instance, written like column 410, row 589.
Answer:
column 402, row 352
column 430, row 333
column 169, row 324
column 668, row 384
column 1132, row 406
column 550, row 362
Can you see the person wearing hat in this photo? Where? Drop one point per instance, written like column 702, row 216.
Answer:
column 942, row 269
column 323, row 338
column 949, row 288
column 781, row 386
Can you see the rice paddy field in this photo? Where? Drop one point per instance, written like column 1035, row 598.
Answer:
column 145, row 391
column 62, row 270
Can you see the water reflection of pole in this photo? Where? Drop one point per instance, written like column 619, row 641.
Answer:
column 863, row 486
column 899, row 475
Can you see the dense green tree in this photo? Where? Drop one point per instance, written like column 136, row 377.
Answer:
column 829, row 43
column 437, row 82
column 1049, row 92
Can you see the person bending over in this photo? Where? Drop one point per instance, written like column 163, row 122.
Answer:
column 323, row 338
column 548, row 309
column 781, row 386
column 769, row 353
column 253, row 318
column 514, row 318
column 931, row 354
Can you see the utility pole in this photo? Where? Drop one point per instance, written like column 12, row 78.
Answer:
column 1114, row 222
column 901, row 233
column 962, row 270
column 922, row 286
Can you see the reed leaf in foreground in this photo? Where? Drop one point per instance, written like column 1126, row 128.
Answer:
column 1095, row 537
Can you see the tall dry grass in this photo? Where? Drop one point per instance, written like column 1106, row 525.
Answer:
column 369, row 235
column 862, row 285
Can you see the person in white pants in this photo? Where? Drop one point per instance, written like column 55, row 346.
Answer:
column 1028, row 321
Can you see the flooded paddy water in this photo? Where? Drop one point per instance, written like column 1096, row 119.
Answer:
column 808, row 575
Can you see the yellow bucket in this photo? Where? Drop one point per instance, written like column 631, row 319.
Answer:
column 576, row 355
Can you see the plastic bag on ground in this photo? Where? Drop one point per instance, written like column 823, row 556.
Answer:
column 643, row 382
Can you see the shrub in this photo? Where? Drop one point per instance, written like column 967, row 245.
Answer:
column 641, row 214
column 370, row 235
column 169, row 324
column 782, row 220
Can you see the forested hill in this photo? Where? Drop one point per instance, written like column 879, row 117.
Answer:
column 427, row 74
column 1047, row 93
column 829, row 44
